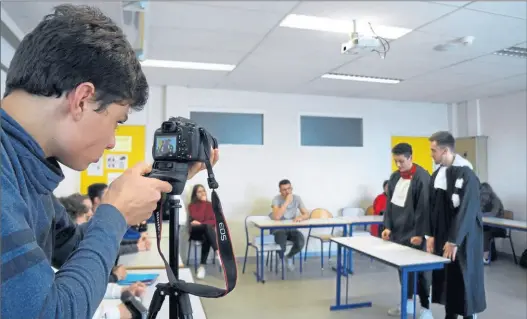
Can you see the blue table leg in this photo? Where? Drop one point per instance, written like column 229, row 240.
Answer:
column 342, row 271
column 404, row 292
column 350, row 257
column 415, row 291
column 262, row 264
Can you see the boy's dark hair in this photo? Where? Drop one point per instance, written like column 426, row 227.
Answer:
column 73, row 206
column 444, row 139
column 384, row 184
column 77, row 44
column 96, row 190
column 403, row 149
column 284, row 182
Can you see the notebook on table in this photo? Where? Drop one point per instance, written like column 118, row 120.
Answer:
column 147, row 279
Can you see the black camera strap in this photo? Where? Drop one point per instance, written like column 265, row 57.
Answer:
column 225, row 250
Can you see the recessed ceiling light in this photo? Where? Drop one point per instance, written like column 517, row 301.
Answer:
column 341, row 26
column 516, row 52
column 188, row 65
column 360, row 78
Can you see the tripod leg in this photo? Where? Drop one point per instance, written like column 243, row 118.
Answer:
column 156, row 303
column 185, row 308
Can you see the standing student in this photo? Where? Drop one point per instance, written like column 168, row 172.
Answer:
column 455, row 231
column 405, row 218
column 379, row 206
column 202, row 223
column 491, row 206
column 287, row 206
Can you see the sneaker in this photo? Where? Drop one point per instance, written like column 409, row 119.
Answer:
column 290, row 265
column 201, row 272
column 425, row 314
column 486, row 261
column 396, row 311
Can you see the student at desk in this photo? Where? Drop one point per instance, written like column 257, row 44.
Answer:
column 286, row 206
column 202, row 223
column 405, row 217
column 491, row 206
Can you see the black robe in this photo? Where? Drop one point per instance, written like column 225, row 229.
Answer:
column 408, row 221
column 460, row 285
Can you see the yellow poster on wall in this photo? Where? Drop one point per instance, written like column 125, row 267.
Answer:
column 420, row 148
column 129, row 150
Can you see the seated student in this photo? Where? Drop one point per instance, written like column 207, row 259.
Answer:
column 491, row 206
column 132, row 242
column 379, row 206
column 202, row 223
column 74, row 205
column 286, row 206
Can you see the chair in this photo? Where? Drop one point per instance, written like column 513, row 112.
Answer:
column 320, row 213
column 355, row 212
column 269, row 244
column 507, row 214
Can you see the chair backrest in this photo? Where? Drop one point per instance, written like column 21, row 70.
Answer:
column 369, row 211
column 352, row 212
column 507, row 214
column 320, row 213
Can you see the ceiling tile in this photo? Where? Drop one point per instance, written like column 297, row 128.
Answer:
column 195, row 55
column 180, row 77
column 207, row 40
column 453, row 3
column 194, row 16
column 492, row 32
column 407, row 14
column 516, row 9
column 271, row 6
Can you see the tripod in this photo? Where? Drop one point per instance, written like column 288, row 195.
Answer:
column 179, row 302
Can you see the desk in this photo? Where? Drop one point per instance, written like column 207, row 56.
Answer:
column 505, row 223
column 406, row 259
column 285, row 224
column 151, row 231
column 360, row 221
column 149, row 259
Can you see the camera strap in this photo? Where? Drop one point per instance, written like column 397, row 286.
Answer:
column 225, row 251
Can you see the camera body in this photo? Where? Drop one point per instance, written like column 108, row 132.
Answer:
column 181, row 140
column 179, row 143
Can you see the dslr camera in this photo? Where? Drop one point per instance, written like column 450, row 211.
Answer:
column 179, row 143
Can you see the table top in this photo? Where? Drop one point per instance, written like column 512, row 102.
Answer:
column 269, row 223
column 507, row 223
column 184, row 274
column 335, row 221
column 148, row 259
column 390, row 252
column 363, row 219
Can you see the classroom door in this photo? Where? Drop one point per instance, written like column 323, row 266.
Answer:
column 421, row 151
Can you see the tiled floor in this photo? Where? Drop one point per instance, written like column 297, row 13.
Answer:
column 311, row 294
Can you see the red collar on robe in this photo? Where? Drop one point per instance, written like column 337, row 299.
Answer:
column 409, row 173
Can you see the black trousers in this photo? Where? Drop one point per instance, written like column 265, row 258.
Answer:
column 207, row 236
column 281, row 236
column 489, row 233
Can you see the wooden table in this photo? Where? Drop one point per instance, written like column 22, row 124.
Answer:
column 148, row 259
column 407, row 260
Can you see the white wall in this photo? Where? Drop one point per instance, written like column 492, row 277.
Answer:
column 326, row 177
column 504, row 120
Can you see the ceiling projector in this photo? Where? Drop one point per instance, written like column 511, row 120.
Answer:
column 359, row 43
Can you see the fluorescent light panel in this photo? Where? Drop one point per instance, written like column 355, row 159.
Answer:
column 360, row 78
column 516, row 52
column 341, row 26
column 188, row 65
